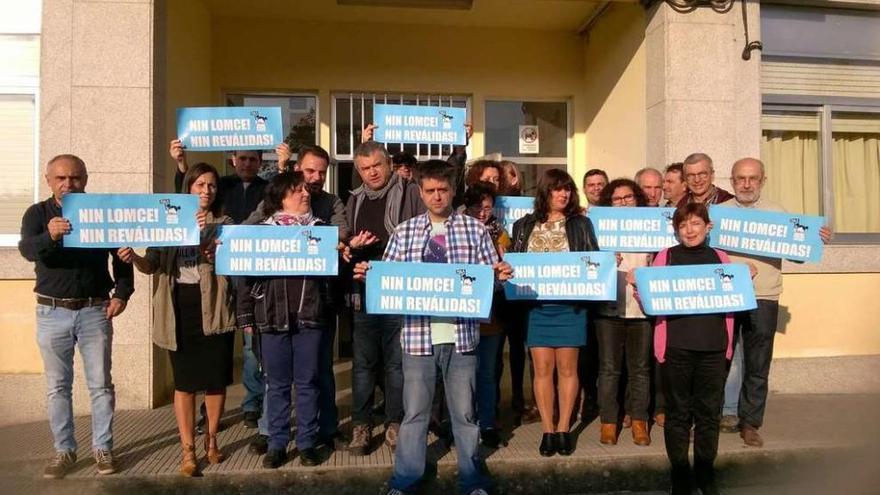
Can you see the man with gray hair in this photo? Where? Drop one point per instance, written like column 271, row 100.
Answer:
column 651, row 181
column 745, row 393
column 77, row 300
column 699, row 174
column 373, row 211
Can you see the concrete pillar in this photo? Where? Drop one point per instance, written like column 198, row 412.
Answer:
column 97, row 85
column 701, row 94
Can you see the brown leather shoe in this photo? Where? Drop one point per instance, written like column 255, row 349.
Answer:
column 188, row 465
column 640, row 433
column 212, row 451
column 750, row 436
column 660, row 419
column 608, row 434
column 627, row 421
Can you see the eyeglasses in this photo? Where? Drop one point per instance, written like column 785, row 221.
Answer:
column 748, row 180
column 698, row 175
column 623, row 199
column 480, row 209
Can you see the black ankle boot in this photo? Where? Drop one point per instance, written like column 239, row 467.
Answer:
column 548, row 445
column 563, row 443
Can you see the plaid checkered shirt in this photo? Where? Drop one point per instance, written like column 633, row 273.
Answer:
column 467, row 241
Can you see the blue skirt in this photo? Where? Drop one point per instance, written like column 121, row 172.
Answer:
column 557, row 325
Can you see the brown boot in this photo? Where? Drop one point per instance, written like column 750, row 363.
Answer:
column 212, row 451
column 609, row 434
column 640, row 433
column 750, row 436
column 188, row 465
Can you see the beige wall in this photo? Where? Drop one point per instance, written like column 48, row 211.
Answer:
column 614, row 78
column 187, row 78
column 19, row 352
column 482, row 63
column 829, row 315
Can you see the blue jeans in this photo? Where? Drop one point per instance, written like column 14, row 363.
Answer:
column 328, row 413
column 291, row 359
column 419, row 379
column 251, row 376
column 734, row 379
column 59, row 330
column 376, row 339
column 757, row 332
column 487, row 398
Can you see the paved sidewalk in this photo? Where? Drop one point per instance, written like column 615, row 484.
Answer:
column 147, row 449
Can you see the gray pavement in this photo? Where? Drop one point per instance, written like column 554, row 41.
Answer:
column 805, row 435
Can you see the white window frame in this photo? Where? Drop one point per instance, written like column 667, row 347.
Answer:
column 825, row 108
column 23, row 85
column 547, row 160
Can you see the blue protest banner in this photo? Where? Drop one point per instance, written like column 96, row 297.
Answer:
column 766, row 233
column 261, row 250
column 229, row 128
column 695, row 289
column 430, row 289
column 574, row 276
column 132, row 220
column 635, row 230
column 509, row 209
column 419, row 124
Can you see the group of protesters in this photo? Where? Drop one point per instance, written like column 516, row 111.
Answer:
column 587, row 359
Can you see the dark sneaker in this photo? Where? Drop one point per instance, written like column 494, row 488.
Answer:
column 259, row 445
column 309, row 457
column 336, row 441
column 59, row 465
column 275, row 458
column 360, row 440
column 250, row 419
column 391, row 433
column 729, row 423
column 104, row 461
column 490, row 438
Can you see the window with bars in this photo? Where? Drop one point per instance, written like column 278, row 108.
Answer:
column 352, row 112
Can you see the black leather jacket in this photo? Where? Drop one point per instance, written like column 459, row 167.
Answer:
column 578, row 229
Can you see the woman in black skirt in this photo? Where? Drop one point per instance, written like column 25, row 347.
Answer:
column 193, row 318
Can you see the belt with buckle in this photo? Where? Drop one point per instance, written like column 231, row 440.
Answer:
column 71, row 304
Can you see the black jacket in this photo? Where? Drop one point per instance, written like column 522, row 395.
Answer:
column 70, row 272
column 578, row 229
column 263, row 303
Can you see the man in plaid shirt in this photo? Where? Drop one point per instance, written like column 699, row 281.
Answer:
column 435, row 344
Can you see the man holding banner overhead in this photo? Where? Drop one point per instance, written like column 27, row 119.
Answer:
column 746, row 387
column 433, row 344
column 74, row 309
